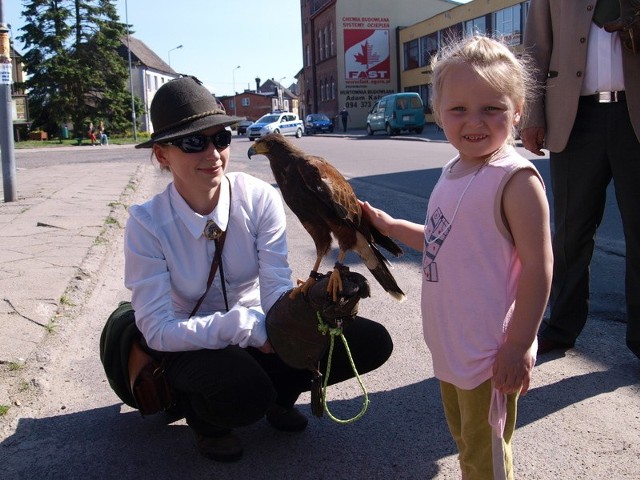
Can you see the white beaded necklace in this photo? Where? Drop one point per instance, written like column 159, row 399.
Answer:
column 446, row 230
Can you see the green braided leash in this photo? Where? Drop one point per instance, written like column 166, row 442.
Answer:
column 333, row 332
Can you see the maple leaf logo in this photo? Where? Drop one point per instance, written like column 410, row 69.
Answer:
column 367, row 56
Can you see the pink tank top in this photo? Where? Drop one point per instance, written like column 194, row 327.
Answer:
column 470, row 270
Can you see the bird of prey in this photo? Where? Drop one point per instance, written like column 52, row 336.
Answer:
column 324, row 202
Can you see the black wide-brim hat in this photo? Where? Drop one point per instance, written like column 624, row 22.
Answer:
column 182, row 107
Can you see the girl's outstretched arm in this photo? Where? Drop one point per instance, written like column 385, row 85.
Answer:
column 409, row 233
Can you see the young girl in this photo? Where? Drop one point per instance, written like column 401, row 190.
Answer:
column 487, row 258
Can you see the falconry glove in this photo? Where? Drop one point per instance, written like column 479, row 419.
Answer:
column 297, row 327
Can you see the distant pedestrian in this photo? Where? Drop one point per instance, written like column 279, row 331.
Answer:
column 344, row 116
column 104, row 138
column 91, row 133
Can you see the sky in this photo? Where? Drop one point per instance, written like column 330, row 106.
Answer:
column 262, row 37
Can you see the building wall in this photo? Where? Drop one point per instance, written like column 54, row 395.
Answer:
column 502, row 18
column 363, row 60
column 146, row 83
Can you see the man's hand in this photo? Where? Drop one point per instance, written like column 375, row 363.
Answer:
column 533, row 139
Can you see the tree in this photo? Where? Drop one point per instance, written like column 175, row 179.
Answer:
column 74, row 71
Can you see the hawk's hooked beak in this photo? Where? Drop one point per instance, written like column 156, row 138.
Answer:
column 257, row 149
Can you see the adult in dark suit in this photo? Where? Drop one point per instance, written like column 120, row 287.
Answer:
column 588, row 117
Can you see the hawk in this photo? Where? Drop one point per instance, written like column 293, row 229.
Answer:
column 326, row 205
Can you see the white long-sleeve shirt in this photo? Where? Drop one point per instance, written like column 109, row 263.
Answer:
column 168, row 259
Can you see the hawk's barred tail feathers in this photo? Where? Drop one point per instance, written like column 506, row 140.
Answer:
column 384, row 277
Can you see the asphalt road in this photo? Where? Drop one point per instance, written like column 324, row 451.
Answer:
column 581, row 420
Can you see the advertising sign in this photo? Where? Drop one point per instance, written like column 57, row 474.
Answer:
column 366, row 50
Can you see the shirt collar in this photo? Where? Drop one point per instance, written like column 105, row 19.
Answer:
column 194, row 221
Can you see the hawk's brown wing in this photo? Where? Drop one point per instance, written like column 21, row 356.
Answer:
column 330, row 187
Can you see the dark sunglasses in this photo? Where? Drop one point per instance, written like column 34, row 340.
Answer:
column 199, row 143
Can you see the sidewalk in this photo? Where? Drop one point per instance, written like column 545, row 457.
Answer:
column 45, row 238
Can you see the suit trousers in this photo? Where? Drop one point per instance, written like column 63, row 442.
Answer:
column 602, row 147
column 221, row 389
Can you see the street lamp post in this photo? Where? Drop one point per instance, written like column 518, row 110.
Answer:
column 281, row 93
column 233, row 74
column 133, row 103
column 169, row 52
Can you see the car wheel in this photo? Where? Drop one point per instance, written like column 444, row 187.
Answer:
column 419, row 130
column 369, row 130
column 299, row 133
column 389, row 130
column 276, row 131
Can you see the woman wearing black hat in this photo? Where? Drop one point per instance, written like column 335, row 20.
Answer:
column 218, row 358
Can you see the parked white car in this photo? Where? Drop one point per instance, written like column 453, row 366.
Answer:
column 286, row 123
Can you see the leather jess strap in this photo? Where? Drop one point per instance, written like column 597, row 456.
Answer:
column 216, row 262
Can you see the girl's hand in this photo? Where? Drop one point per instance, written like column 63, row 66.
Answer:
column 512, row 368
column 379, row 219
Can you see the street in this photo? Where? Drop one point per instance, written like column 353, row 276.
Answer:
column 580, row 420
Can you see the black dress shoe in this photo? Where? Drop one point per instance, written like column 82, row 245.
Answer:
column 286, row 420
column 223, row 448
column 545, row 345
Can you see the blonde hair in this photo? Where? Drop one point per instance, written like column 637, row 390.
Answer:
column 493, row 62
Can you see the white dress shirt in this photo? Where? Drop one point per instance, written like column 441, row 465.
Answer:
column 168, row 259
column 604, row 62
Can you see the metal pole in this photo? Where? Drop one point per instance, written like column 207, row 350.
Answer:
column 235, row 97
column 133, row 103
column 169, row 52
column 6, row 120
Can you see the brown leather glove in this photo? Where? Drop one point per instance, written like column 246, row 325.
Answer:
column 292, row 324
column 628, row 24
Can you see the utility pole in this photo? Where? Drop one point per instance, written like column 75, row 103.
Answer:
column 6, row 120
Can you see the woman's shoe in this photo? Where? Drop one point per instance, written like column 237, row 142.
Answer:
column 286, row 420
column 223, row 448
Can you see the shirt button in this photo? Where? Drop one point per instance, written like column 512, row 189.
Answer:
column 578, row 74
column 589, row 8
column 582, row 40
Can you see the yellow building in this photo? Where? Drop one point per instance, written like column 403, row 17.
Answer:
column 418, row 42
column 350, row 52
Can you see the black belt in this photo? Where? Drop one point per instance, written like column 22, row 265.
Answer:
column 606, row 97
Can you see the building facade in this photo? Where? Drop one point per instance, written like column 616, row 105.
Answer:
column 266, row 98
column 420, row 41
column 350, row 52
column 19, row 104
column 148, row 73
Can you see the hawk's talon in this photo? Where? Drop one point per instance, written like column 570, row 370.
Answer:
column 334, row 286
column 303, row 287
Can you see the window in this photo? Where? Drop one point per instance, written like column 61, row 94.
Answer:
column 246, row 102
column 411, row 55
column 428, row 48
column 307, row 57
column 333, row 89
column 326, row 41
column 507, row 24
column 320, row 51
column 477, row 26
column 333, row 45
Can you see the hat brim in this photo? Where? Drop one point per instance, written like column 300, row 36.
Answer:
column 216, row 120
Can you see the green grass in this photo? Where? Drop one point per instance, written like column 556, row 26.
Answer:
column 72, row 142
column 15, row 366
column 3, row 410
